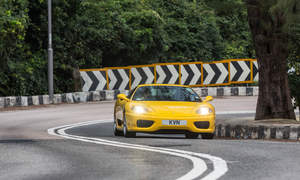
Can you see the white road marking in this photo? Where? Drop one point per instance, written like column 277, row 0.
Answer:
column 240, row 112
column 234, row 112
column 199, row 166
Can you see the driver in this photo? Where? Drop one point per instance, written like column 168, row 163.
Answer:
column 147, row 94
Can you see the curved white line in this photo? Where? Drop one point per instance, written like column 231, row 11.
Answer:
column 199, row 166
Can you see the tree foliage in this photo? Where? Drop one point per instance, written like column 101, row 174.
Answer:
column 95, row 34
column 294, row 68
column 232, row 21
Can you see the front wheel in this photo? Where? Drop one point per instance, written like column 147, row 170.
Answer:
column 207, row 135
column 191, row 135
column 127, row 133
column 116, row 131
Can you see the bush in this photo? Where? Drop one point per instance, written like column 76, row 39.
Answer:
column 14, row 21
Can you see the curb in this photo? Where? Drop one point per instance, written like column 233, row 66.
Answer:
column 76, row 97
column 108, row 95
column 227, row 91
column 267, row 132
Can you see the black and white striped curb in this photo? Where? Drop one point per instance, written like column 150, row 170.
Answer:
column 107, row 95
column 288, row 132
column 76, row 97
column 227, row 91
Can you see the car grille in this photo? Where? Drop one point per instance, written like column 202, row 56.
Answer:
column 202, row 124
column 144, row 123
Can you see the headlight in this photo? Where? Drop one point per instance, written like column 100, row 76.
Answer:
column 139, row 109
column 204, row 111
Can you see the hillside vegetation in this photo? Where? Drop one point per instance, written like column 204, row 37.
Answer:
column 104, row 33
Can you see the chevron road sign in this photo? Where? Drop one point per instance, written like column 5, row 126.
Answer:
column 240, row 71
column 142, row 75
column 255, row 71
column 118, row 79
column 216, row 73
column 190, row 74
column 93, row 80
column 167, row 74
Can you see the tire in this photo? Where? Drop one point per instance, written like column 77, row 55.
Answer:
column 207, row 135
column 191, row 135
column 127, row 133
column 116, row 131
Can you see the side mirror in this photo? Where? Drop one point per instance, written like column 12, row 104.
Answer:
column 122, row 97
column 197, row 98
column 208, row 98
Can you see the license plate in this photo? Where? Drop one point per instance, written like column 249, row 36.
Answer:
column 174, row 122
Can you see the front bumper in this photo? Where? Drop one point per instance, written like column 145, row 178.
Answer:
column 158, row 126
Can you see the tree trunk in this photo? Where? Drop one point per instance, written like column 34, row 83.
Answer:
column 274, row 100
column 76, row 80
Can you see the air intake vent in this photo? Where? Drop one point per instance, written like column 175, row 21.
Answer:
column 202, row 124
column 144, row 123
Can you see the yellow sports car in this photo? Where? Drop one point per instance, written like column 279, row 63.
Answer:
column 163, row 108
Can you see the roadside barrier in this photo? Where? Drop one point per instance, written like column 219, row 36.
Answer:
column 260, row 131
column 110, row 95
column 194, row 74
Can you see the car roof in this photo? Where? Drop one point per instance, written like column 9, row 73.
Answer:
column 162, row 85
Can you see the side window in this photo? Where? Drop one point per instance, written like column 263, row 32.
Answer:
column 186, row 95
column 190, row 95
column 195, row 96
column 143, row 93
column 138, row 94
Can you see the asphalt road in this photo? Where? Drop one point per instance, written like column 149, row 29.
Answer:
column 90, row 151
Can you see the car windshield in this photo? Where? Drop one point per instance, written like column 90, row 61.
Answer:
column 165, row 93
